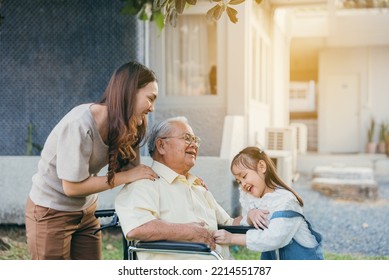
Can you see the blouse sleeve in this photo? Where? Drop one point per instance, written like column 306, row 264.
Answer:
column 74, row 149
column 245, row 203
column 279, row 232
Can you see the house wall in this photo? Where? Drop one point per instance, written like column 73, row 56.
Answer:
column 207, row 114
column 259, row 119
column 365, row 27
column 378, row 59
column 249, row 95
column 342, row 33
column 259, row 61
column 280, row 73
column 370, row 65
column 206, row 121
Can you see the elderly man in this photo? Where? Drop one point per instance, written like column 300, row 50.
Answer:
column 176, row 206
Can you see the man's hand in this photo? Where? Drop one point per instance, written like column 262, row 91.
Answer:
column 258, row 218
column 198, row 233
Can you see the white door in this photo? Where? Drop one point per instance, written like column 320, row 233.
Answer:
column 340, row 114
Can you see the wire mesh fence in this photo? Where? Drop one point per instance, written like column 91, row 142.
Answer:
column 55, row 54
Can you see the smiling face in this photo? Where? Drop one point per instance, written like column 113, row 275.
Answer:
column 252, row 181
column 175, row 152
column 144, row 101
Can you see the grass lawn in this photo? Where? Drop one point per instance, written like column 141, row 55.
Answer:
column 14, row 247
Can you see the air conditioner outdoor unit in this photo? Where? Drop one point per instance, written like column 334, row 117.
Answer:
column 301, row 137
column 282, row 139
column 283, row 162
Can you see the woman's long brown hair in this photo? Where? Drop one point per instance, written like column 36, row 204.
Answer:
column 249, row 158
column 124, row 135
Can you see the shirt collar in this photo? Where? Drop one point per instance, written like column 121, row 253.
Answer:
column 168, row 174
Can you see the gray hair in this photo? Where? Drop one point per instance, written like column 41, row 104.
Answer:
column 160, row 130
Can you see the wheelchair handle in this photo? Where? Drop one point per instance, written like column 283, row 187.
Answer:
column 104, row 213
column 107, row 213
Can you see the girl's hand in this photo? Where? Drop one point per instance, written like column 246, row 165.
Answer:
column 258, row 218
column 222, row 236
column 140, row 172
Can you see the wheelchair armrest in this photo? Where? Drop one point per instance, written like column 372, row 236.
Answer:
column 236, row 229
column 173, row 245
column 187, row 246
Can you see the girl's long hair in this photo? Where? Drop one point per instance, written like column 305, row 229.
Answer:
column 249, row 158
column 124, row 135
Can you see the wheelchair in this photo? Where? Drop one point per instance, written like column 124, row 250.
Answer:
column 130, row 248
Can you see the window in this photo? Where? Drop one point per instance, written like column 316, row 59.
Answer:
column 264, row 93
column 191, row 57
column 259, row 67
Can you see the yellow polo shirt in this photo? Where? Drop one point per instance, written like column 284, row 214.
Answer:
column 172, row 198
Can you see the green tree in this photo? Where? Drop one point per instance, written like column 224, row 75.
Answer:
column 167, row 11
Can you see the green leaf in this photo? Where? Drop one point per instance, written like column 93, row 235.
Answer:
column 210, row 12
column 218, row 12
column 159, row 3
column 172, row 17
column 232, row 14
column 129, row 10
column 180, row 5
column 131, row 7
column 235, row 2
column 191, row 2
column 143, row 15
column 215, row 12
column 159, row 19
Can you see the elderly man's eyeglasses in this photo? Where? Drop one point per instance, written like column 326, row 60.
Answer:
column 188, row 138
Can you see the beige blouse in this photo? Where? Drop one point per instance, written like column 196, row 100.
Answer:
column 73, row 151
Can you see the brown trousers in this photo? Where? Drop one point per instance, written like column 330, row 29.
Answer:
column 60, row 235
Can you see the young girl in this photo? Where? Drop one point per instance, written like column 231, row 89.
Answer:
column 288, row 235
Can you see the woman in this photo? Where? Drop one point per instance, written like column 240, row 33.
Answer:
column 60, row 219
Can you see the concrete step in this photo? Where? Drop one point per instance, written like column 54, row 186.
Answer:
column 347, row 189
column 342, row 172
column 345, row 182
